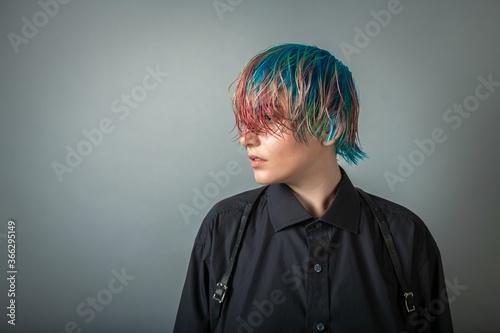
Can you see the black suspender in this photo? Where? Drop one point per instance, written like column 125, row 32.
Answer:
column 393, row 253
column 223, row 286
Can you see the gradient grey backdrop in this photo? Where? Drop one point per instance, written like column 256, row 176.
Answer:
column 120, row 208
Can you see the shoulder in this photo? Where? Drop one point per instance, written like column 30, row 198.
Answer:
column 393, row 208
column 232, row 204
column 225, row 214
column 403, row 222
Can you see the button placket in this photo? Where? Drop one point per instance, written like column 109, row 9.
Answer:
column 317, row 288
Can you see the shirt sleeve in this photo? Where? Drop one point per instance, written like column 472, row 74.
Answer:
column 433, row 314
column 193, row 313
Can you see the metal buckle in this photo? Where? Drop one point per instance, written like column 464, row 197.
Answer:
column 220, row 292
column 409, row 297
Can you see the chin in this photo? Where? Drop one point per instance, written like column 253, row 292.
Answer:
column 261, row 179
column 266, row 180
column 262, row 182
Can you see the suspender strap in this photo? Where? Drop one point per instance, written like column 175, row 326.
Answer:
column 223, row 286
column 389, row 242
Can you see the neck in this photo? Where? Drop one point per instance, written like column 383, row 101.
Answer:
column 317, row 194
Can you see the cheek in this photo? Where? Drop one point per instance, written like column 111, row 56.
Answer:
column 284, row 150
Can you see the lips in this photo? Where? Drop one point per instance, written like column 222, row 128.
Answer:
column 256, row 161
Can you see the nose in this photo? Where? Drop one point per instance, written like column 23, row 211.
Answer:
column 248, row 138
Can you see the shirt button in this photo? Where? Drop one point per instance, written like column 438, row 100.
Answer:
column 318, row 268
column 320, row 327
column 317, row 225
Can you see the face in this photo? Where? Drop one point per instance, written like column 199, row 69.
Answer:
column 279, row 158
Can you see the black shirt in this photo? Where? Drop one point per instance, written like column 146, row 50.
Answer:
column 297, row 273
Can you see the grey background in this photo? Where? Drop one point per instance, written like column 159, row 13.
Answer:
column 120, row 208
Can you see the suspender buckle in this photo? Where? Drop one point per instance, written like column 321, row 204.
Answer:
column 409, row 301
column 220, row 292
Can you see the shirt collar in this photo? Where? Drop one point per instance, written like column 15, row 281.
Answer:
column 286, row 210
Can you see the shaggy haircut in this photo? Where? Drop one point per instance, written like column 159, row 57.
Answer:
column 303, row 89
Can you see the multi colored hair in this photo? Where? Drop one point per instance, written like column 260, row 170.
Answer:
column 304, row 89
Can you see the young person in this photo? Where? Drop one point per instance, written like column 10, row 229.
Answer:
column 312, row 256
